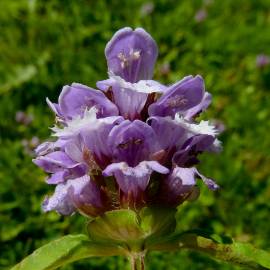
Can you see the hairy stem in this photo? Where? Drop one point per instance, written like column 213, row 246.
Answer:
column 137, row 261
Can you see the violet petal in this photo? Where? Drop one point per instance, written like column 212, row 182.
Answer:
column 131, row 54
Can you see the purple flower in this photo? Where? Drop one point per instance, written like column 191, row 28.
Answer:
column 134, row 180
column 74, row 100
column 262, row 60
column 181, row 185
column 147, row 8
column 23, row 118
column 130, row 143
column 80, row 193
column 131, row 54
column 200, row 15
column 179, row 97
column 61, row 167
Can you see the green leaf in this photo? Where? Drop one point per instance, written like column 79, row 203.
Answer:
column 130, row 228
column 156, row 222
column 221, row 248
column 117, row 226
column 66, row 250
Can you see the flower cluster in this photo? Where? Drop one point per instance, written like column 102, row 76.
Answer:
column 133, row 142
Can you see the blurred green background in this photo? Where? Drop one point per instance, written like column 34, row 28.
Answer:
column 47, row 44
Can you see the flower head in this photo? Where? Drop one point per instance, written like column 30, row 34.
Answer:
column 262, row 60
column 200, row 15
column 132, row 142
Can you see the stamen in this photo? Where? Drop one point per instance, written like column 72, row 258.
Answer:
column 123, row 145
column 123, row 59
column 135, row 55
column 137, row 141
column 132, row 141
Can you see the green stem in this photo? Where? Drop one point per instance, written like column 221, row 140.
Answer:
column 137, row 261
column 242, row 254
